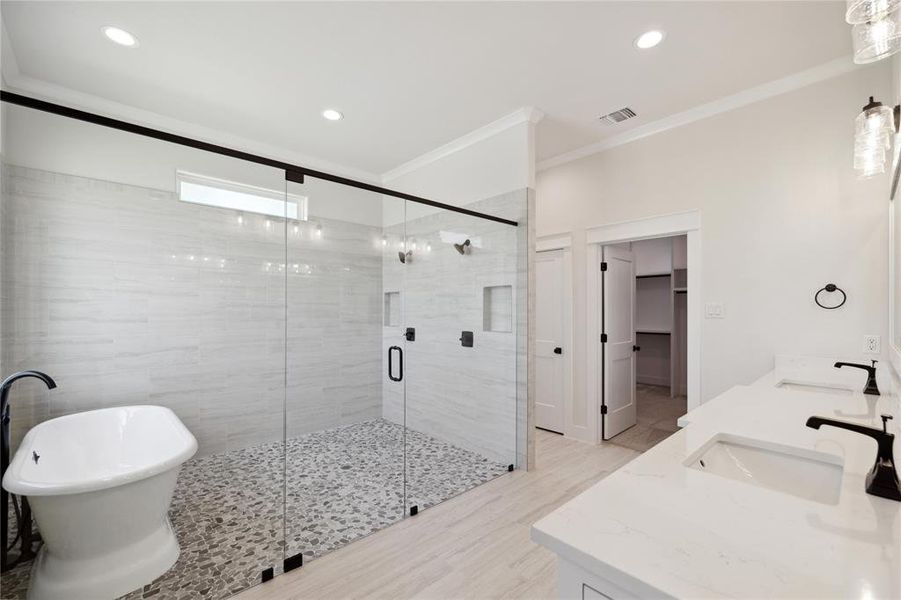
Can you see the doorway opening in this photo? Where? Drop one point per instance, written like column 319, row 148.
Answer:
column 643, row 312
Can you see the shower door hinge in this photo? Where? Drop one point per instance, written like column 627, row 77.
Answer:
column 292, row 562
column 603, row 338
column 414, row 510
column 267, row 574
column 604, row 266
column 294, row 176
column 603, row 409
column 410, row 334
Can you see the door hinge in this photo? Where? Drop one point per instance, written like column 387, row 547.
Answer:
column 603, row 409
column 293, row 562
column 604, row 266
column 603, row 338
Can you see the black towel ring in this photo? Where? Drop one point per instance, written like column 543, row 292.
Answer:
column 830, row 287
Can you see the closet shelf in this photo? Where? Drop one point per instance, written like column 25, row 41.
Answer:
column 654, row 331
column 680, row 290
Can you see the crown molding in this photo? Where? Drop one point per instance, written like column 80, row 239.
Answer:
column 834, row 68
column 51, row 92
column 526, row 114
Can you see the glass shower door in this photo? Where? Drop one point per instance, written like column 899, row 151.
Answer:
column 344, row 403
column 461, row 300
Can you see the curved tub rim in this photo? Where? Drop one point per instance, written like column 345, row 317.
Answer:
column 15, row 484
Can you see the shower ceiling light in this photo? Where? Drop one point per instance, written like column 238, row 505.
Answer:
column 332, row 115
column 120, row 36
column 649, row 39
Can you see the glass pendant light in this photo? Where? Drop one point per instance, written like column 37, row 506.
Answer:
column 861, row 11
column 877, row 39
column 873, row 130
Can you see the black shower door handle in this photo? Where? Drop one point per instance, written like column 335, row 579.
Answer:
column 400, row 355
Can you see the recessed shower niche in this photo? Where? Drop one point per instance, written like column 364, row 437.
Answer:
column 497, row 308
column 392, row 309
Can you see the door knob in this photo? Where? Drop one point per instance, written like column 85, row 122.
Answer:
column 558, row 350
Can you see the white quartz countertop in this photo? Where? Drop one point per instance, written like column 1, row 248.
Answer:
column 660, row 528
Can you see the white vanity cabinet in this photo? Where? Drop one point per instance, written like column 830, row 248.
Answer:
column 575, row 583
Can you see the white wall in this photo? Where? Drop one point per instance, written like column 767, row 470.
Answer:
column 39, row 140
column 493, row 166
column 782, row 215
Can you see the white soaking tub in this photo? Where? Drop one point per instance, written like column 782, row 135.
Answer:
column 100, row 484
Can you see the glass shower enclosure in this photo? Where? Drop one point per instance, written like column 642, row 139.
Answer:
column 346, row 356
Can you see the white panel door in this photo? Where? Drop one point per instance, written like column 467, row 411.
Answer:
column 549, row 294
column 618, row 351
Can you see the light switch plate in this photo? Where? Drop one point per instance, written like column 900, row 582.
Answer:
column 714, row 310
column 872, row 344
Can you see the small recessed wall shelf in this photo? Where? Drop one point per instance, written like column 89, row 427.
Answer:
column 497, row 308
column 392, row 309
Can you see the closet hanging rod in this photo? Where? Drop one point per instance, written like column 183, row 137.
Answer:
column 655, row 275
column 95, row 119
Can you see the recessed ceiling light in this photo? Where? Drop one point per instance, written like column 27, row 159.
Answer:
column 332, row 115
column 649, row 39
column 120, row 36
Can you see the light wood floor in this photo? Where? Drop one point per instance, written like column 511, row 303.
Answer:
column 473, row 546
column 656, row 415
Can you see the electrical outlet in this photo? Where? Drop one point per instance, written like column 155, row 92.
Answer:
column 714, row 310
column 871, row 344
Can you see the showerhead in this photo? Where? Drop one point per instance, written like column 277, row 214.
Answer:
column 461, row 248
column 405, row 257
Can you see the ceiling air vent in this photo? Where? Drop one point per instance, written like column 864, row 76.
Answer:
column 618, row 116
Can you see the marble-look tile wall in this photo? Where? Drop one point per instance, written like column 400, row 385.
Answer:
column 126, row 295
column 465, row 396
column 334, row 328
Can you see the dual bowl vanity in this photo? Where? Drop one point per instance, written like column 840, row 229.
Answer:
column 746, row 500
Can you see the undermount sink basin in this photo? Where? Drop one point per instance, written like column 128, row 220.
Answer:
column 819, row 389
column 811, row 475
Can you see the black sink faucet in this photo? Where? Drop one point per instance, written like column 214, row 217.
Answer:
column 870, row 387
column 882, row 480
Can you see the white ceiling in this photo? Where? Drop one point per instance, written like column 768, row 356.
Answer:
column 412, row 76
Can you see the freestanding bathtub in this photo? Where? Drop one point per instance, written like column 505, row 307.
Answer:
column 99, row 484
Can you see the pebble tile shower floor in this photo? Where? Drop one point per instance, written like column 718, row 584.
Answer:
column 342, row 484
